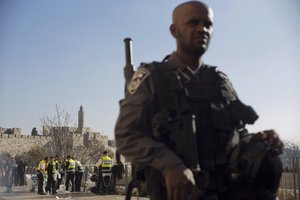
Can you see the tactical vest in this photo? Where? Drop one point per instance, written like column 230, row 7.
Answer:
column 219, row 114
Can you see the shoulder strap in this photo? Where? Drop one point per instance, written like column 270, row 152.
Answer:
column 169, row 88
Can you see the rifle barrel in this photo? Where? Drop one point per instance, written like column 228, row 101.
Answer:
column 128, row 70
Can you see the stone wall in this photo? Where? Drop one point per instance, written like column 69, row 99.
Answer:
column 17, row 144
column 11, row 131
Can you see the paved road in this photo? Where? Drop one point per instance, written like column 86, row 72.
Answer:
column 20, row 192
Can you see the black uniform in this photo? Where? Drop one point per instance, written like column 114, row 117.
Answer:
column 161, row 90
column 50, row 187
column 21, row 167
column 78, row 176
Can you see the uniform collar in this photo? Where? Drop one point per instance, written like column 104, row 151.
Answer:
column 176, row 61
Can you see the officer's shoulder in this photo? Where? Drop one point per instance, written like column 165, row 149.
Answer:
column 152, row 66
column 148, row 69
column 222, row 75
column 142, row 72
column 138, row 77
column 214, row 69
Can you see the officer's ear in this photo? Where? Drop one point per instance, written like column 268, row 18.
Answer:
column 173, row 30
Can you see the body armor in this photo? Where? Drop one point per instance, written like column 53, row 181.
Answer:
column 205, row 103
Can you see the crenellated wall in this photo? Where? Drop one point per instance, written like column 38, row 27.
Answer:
column 12, row 140
column 17, row 143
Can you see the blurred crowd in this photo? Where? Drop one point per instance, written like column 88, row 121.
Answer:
column 12, row 171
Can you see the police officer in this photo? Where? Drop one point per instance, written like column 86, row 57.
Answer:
column 70, row 169
column 160, row 95
column 41, row 174
column 106, row 162
column 103, row 165
column 59, row 172
column 51, row 172
column 78, row 175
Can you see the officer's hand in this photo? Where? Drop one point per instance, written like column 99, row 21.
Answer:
column 180, row 183
column 271, row 138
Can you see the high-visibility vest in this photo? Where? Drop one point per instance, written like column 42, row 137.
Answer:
column 55, row 162
column 72, row 164
column 54, row 167
column 42, row 162
column 106, row 161
column 77, row 165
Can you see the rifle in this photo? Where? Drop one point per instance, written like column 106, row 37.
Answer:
column 128, row 72
column 128, row 69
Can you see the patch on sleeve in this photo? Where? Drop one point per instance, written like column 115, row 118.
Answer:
column 138, row 77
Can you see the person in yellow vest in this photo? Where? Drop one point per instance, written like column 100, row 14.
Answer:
column 103, row 165
column 51, row 170
column 70, row 169
column 41, row 173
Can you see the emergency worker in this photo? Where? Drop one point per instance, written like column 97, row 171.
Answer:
column 103, row 165
column 78, row 175
column 182, row 108
column 51, row 172
column 59, row 171
column 41, row 174
column 70, row 169
column 106, row 163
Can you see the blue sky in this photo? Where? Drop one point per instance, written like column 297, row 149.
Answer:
column 71, row 53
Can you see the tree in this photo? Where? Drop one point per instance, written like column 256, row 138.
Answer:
column 291, row 149
column 64, row 140
column 91, row 152
column 290, row 156
column 60, row 132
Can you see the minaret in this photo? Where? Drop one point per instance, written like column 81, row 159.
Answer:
column 80, row 120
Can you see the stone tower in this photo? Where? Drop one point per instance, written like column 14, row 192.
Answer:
column 80, row 120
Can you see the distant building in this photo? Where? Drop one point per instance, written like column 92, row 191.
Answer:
column 80, row 121
column 12, row 140
column 11, row 131
column 80, row 129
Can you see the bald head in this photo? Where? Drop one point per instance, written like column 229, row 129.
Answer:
column 192, row 28
column 181, row 9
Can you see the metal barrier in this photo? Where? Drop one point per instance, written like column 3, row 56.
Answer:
column 290, row 179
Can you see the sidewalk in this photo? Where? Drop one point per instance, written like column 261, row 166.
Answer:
column 20, row 192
